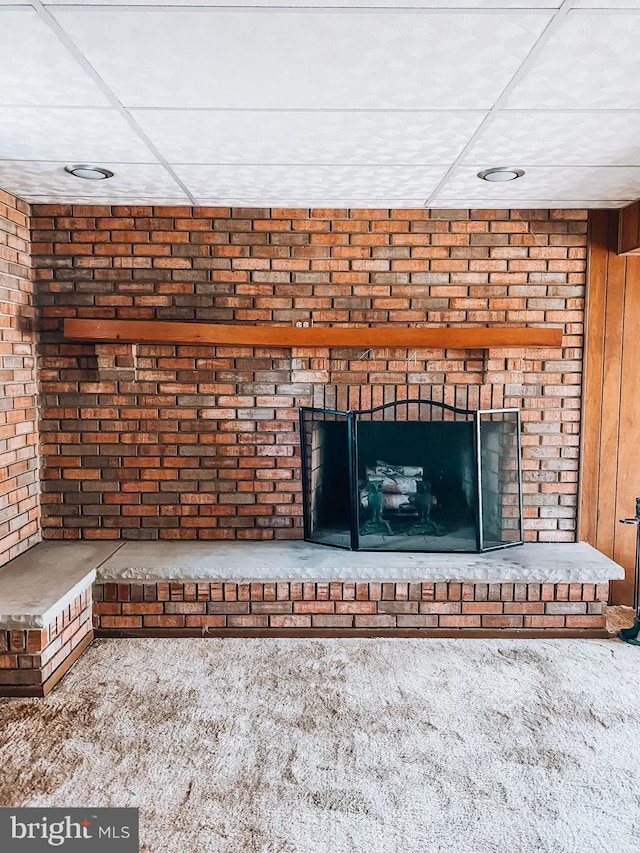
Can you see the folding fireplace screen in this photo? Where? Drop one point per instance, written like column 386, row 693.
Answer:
column 412, row 476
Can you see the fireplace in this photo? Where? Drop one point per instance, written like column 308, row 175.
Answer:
column 412, row 475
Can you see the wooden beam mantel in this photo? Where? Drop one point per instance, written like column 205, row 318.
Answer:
column 438, row 337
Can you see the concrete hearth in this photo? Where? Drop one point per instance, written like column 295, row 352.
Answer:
column 295, row 561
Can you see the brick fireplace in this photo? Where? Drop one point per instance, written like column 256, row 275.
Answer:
column 200, row 442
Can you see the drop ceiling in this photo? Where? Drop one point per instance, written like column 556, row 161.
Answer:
column 367, row 103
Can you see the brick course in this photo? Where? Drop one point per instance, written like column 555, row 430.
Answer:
column 19, row 501
column 200, row 442
column 140, row 605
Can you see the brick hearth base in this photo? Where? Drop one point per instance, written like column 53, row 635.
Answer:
column 33, row 660
column 235, row 608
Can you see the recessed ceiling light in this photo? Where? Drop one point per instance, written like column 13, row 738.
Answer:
column 500, row 173
column 89, row 173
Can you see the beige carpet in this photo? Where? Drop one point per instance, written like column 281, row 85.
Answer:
column 334, row 746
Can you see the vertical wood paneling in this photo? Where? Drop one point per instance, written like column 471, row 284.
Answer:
column 629, row 431
column 611, row 394
column 593, row 375
column 610, row 473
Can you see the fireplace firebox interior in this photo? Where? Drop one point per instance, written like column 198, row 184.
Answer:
column 412, row 476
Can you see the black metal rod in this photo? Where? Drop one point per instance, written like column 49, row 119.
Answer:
column 630, row 635
column 393, row 404
column 478, row 465
column 353, row 480
column 306, row 495
column 636, row 575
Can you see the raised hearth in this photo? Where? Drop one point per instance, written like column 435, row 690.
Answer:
column 252, row 589
column 248, row 588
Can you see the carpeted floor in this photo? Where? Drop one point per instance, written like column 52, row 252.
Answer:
column 334, row 746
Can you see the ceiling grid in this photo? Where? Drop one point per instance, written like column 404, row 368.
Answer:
column 366, row 103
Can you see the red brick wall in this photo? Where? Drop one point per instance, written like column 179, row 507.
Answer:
column 19, row 507
column 201, row 442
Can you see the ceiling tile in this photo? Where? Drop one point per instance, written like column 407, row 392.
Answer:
column 75, row 135
column 529, row 204
column 227, row 136
column 385, row 4
column 607, row 4
column 113, row 198
column 305, row 59
column 556, row 138
column 35, row 68
column 133, row 182
column 244, row 201
column 557, row 182
column 303, row 182
column 591, row 61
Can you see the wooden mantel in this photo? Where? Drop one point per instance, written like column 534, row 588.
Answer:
column 438, row 337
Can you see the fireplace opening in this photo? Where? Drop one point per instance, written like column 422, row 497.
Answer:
column 412, row 476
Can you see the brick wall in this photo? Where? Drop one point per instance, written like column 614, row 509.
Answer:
column 200, row 441
column 19, row 507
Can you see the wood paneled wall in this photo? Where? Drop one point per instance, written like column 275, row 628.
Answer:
column 610, row 470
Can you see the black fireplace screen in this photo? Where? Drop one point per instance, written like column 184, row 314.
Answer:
column 412, row 476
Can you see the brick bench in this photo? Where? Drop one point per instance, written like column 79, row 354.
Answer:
column 294, row 588
column 46, row 614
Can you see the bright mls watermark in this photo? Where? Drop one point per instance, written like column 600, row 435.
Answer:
column 100, row 830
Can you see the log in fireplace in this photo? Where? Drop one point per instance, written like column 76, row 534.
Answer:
column 412, row 475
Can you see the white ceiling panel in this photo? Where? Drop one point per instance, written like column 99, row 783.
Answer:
column 528, row 138
column 35, row 68
column 592, row 61
column 607, row 4
column 357, row 4
column 336, row 137
column 284, row 59
column 311, row 181
column 598, row 182
column 305, row 202
column 77, row 135
column 528, row 203
column 131, row 181
column 106, row 198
